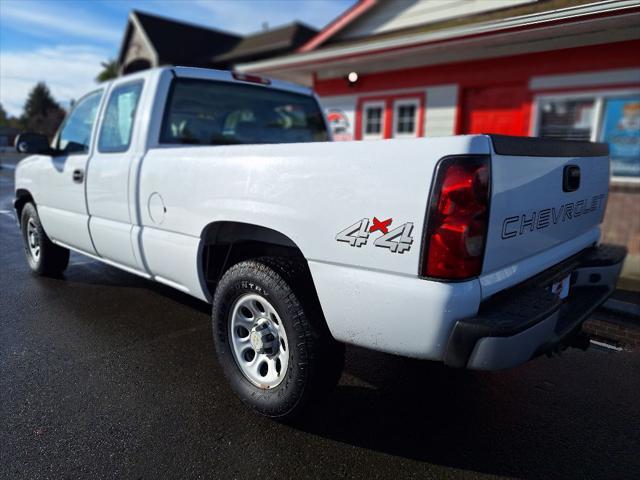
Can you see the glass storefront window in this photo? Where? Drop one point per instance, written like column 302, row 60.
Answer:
column 603, row 117
column 569, row 119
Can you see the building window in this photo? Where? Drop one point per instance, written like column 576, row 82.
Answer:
column 405, row 114
column 373, row 120
column 568, row 119
column 407, row 119
column 390, row 116
column 612, row 117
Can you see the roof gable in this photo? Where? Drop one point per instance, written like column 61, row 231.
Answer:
column 336, row 25
column 162, row 41
column 136, row 47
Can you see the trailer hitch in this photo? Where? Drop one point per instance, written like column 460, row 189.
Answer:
column 577, row 339
column 580, row 340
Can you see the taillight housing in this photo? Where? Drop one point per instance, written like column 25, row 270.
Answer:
column 457, row 218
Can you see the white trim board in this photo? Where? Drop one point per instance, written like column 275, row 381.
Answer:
column 587, row 79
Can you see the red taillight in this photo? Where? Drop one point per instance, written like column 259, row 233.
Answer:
column 457, row 218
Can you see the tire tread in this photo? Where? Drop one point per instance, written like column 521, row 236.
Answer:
column 320, row 358
column 53, row 258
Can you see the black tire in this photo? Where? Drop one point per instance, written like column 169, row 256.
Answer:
column 315, row 359
column 51, row 260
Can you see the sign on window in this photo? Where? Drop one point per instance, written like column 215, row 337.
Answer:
column 621, row 129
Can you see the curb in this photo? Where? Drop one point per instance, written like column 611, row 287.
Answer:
column 617, row 321
column 619, row 306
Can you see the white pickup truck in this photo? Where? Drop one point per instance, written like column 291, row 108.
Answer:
column 479, row 251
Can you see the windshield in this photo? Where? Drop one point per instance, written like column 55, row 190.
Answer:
column 203, row 112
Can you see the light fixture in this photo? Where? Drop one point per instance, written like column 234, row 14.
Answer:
column 352, row 77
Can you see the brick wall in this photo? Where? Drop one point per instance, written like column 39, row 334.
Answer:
column 619, row 331
column 622, row 218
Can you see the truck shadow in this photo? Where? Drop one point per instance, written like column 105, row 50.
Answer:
column 527, row 422
column 92, row 272
column 551, row 418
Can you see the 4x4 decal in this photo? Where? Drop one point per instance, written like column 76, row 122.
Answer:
column 355, row 235
column 398, row 240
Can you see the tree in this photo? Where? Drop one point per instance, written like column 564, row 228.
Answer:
column 8, row 121
column 39, row 101
column 42, row 114
column 109, row 71
column 3, row 117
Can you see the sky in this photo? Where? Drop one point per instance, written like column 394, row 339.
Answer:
column 63, row 42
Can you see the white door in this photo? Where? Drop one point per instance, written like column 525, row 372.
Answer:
column 111, row 177
column 62, row 205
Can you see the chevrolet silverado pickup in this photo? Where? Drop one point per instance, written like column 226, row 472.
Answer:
column 478, row 251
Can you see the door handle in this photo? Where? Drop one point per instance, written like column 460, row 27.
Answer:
column 78, row 176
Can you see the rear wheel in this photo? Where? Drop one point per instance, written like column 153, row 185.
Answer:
column 271, row 341
column 43, row 256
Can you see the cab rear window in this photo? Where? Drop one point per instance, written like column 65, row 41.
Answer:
column 204, row 112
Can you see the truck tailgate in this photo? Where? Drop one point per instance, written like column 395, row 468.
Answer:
column 546, row 195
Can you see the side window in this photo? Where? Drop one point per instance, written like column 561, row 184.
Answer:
column 117, row 126
column 75, row 135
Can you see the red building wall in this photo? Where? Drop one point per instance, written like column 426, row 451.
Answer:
column 495, row 86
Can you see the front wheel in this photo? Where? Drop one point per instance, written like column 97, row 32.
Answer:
column 272, row 342
column 43, row 256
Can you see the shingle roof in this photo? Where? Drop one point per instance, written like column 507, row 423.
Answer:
column 277, row 40
column 179, row 43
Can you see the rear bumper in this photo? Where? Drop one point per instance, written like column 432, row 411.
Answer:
column 528, row 320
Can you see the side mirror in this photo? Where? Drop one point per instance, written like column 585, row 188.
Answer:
column 32, row 143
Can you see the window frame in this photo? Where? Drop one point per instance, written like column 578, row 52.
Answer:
column 112, row 90
column 404, row 102
column 56, row 138
column 368, row 105
column 599, row 96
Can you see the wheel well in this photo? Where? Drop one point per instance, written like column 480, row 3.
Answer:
column 226, row 243
column 22, row 198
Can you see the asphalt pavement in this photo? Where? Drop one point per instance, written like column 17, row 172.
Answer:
column 106, row 375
